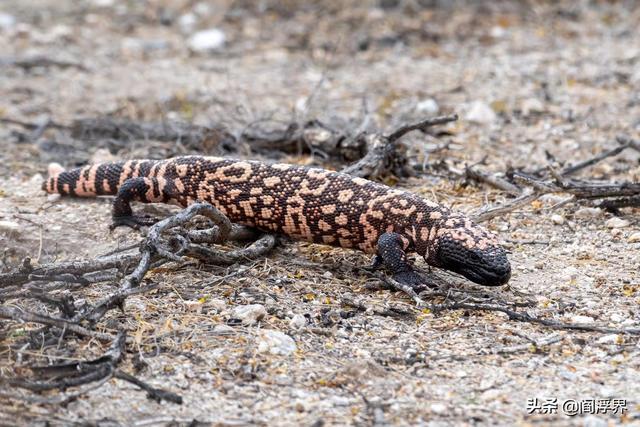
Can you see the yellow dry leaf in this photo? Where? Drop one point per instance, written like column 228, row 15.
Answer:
column 499, row 106
column 536, row 204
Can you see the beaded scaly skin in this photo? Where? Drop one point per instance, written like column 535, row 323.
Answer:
column 305, row 203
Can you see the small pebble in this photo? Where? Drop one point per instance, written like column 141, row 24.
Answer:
column 480, row 112
column 7, row 21
column 557, row 219
column 594, row 421
column 207, row 40
column 616, row 222
column 249, row 314
column 438, row 408
column 551, row 199
column 428, row 107
column 608, row 339
column 217, row 304
column 298, row 322
column 9, row 227
column 634, row 238
column 275, row 342
column 187, row 22
column 616, row 317
column 581, row 319
column 586, row 213
column 531, row 105
column 327, row 275
column 223, row 330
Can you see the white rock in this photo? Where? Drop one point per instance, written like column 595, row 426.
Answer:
column 569, row 273
column 249, row 314
column 608, row 391
column 275, row 342
column 9, row 227
column 7, row 21
column 617, row 317
column 634, row 238
column 616, row 222
column 428, row 107
column 594, row 421
column 298, row 322
column 480, row 112
column 551, row 199
column 103, row 3
column 531, row 105
column 438, row 408
column 53, row 197
column 187, row 22
column 202, row 8
column 137, row 46
column 223, row 330
column 207, row 40
column 586, row 213
column 497, row 32
column 608, row 339
column 327, row 275
column 217, row 304
column 557, row 219
column 581, row 319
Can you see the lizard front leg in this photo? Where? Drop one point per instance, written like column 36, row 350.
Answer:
column 392, row 255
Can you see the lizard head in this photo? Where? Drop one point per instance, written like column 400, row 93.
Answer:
column 466, row 248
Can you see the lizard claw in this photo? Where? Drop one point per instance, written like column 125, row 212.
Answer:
column 133, row 221
column 414, row 280
column 376, row 263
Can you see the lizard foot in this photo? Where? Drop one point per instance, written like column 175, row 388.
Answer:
column 133, row 221
column 413, row 280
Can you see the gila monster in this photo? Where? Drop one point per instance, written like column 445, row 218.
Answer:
column 306, row 203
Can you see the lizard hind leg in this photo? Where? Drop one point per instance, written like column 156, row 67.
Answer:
column 141, row 189
column 392, row 254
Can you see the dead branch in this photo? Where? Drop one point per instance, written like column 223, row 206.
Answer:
column 530, row 318
column 39, row 62
column 494, row 181
column 381, row 154
column 152, row 393
column 77, row 373
column 624, row 194
column 490, row 213
column 203, row 138
column 421, row 126
column 624, row 144
column 20, row 315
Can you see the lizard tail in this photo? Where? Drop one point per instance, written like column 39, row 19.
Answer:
column 94, row 180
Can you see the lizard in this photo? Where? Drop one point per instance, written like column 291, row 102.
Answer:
column 307, row 203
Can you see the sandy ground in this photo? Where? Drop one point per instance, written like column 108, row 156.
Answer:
column 527, row 78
